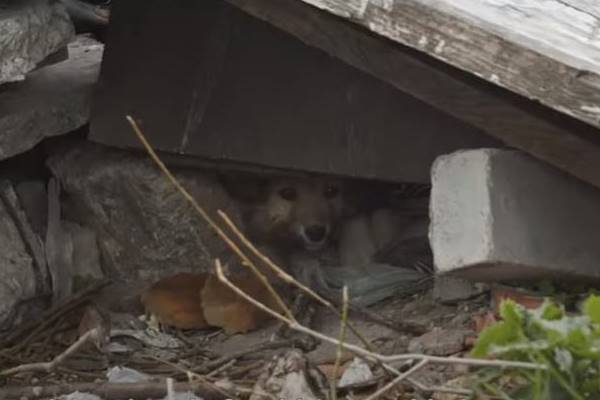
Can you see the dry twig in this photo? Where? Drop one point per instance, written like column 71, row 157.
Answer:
column 287, row 316
column 242, row 353
column 91, row 335
column 232, row 245
column 109, row 390
column 397, row 380
column 368, row 354
column 341, row 340
column 34, row 327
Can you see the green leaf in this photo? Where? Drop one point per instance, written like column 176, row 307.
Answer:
column 511, row 313
column 499, row 334
column 591, row 308
column 550, row 311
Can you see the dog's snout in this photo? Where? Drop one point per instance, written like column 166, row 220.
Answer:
column 316, row 233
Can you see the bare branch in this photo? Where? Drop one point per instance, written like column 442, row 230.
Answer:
column 245, row 259
column 341, row 339
column 91, row 335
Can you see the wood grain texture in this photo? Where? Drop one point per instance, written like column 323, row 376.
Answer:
column 260, row 96
column 505, row 117
column 546, row 50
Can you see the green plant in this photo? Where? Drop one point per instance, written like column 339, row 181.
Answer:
column 567, row 345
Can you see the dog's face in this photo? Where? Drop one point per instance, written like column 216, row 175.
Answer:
column 304, row 211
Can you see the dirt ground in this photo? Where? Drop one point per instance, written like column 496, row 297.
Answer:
column 393, row 326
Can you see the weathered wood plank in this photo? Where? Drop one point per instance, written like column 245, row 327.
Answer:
column 546, row 50
column 246, row 92
column 470, row 100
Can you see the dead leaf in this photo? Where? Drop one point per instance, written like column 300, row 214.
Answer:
column 175, row 301
column 226, row 309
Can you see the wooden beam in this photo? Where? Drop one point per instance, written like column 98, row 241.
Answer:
column 547, row 50
column 470, row 100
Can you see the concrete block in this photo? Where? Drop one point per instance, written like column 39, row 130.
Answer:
column 503, row 215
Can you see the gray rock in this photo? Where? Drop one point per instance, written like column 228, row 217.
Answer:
column 85, row 256
column 18, row 278
column 52, row 101
column 439, row 342
column 451, row 290
column 28, row 34
column 145, row 228
column 34, row 200
column 58, row 246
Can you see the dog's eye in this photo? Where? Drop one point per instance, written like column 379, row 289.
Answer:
column 288, row 193
column 331, row 191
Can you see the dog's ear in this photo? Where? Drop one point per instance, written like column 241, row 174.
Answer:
column 245, row 187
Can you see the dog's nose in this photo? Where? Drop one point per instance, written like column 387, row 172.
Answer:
column 316, row 233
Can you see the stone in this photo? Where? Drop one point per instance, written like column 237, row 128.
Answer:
column 357, row 372
column 439, row 342
column 18, row 276
column 85, row 255
column 34, row 200
column 503, row 215
column 145, row 228
column 54, row 100
column 58, row 246
column 29, row 32
column 449, row 290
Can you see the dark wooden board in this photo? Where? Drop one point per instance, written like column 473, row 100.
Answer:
column 523, row 124
column 208, row 80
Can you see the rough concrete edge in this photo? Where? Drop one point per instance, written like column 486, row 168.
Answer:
column 490, row 152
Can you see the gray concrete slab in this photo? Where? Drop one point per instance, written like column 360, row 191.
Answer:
column 499, row 215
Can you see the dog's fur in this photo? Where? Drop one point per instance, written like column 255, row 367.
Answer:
column 291, row 213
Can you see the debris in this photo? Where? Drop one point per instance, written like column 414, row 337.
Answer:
column 22, row 265
column 183, row 396
column 126, row 375
column 155, row 339
column 32, row 328
column 29, row 35
column 481, row 322
column 439, row 342
column 367, row 284
column 54, row 100
column 356, row 373
column 91, row 335
column 290, row 376
column 118, row 348
column 448, row 290
column 213, row 364
column 80, row 396
column 526, row 298
column 113, row 391
column 99, row 320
